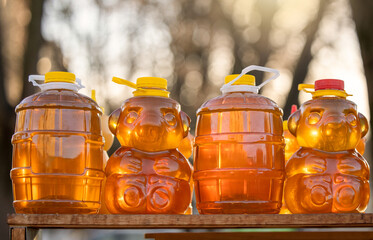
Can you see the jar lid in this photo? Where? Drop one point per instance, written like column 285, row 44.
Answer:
column 244, row 80
column 151, row 82
column 335, row 84
column 59, row 77
column 146, row 86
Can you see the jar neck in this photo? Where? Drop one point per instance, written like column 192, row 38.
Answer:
column 59, row 85
column 328, row 96
column 240, row 88
column 155, row 92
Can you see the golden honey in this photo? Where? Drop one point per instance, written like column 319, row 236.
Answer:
column 327, row 174
column 147, row 174
column 57, row 150
column 239, row 153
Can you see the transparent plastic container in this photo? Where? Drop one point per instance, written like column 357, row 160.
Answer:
column 291, row 146
column 239, row 150
column 327, row 174
column 186, row 146
column 361, row 146
column 109, row 139
column 57, row 149
column 147, row 174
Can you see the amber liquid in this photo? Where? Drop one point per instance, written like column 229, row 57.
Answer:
column 144, row 182
column 291, row 146
column 324, row 182
column 186, row 146
column 327, row 174
column 109, row 139
column 239, row 155
column 361, row 146
column 148, row 174
column 57, row 154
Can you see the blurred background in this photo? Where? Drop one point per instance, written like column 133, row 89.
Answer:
column 194, row 44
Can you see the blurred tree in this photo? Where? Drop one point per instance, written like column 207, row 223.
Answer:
column 267, row 10
column 301, row 69
column 34, row 43
column 362, row 14
column 193, row 47
column 198, row 42
column 7, row 118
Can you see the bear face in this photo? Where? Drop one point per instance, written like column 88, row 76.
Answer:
column 328, row 124
column 149, row 123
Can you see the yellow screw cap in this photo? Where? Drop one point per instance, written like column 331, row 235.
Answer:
column 244, row 80
column 151, row 82
column 59, row 77
column 146, row 86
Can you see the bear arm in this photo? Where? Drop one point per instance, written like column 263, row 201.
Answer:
column 173, row 166
column 355, row 165
column 123, row 162
column 305, row 162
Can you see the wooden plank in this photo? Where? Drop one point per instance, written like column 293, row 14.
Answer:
column 262, row 236
column 18, row 233
column 191, row 221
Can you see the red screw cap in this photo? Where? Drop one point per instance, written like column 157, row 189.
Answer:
column 323, row 84
column 294, row 108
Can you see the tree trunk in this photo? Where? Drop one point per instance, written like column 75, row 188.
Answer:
column 7, row 118
column 363, row 17
column 34, row 42
column 262, row 48
column 305, row 58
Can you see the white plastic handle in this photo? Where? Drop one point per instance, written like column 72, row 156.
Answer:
column 34, row 78
column 249, row 69
column 79, row 82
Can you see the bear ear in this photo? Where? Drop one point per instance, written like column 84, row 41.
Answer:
column 113, row 120
column 185, row 119
column 363, row 124
column 293, row 122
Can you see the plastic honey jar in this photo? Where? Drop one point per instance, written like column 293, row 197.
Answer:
column 291, row 146
column 327, row 174
column 148, row 174
column 239, row 149
column 57, row 149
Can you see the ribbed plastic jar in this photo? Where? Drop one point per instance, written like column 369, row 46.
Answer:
column 57, row 152
column 239, row 153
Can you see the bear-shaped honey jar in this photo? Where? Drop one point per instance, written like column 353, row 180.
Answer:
column 327, row 174
column 291, row 146
column 148, row 174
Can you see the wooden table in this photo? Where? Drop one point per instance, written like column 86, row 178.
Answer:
column 25, row 226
